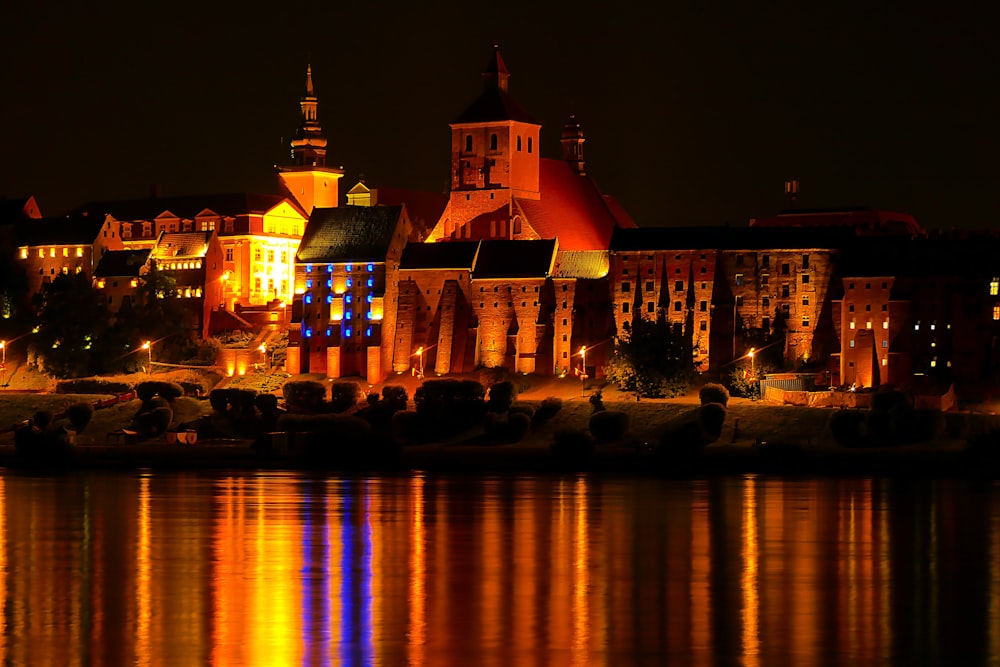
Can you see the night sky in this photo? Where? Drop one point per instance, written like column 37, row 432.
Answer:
column 694, row 113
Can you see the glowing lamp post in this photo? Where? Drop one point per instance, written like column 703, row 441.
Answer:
column 148, row 346
column 750, row 354
column 3, row 363
column 583, row 368
column 420, row 362
column 263, row 351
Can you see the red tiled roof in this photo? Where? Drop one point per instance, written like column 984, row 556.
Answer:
column 571, row 208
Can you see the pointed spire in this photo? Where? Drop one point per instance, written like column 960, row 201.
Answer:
column 309, row 81
column 309, row 145
column 496, row 75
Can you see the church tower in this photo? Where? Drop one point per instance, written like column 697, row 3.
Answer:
column 572, row 145
column 308, row 181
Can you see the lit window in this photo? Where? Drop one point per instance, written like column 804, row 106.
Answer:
column 885, row 362
column 369, row 298
column 371, row 267
column 348, row 298
column 100, row 284
column 868, row 324
column 996, row 311
column 309, row 298
column 309, row 284
column 933, row 363
column 134, row 282
column 368, row 314
column 347, row 315
column 350, row 283
column 24, row 253
column 852, row 343
column 329, row 298
column 368, row 331
column 65, row 252
column 739, row 279
column 995, row 287
column 350, row 267
column 805, row 320
column 309, row 333
column 916, row 327
column 371, row 282
column 329, row 267
column 52, row 252
column 329, row 331
column 309, row 268
column 885, row 324
column 347, row 332
column 885, row 344
column 933, row 326
column 852, row 324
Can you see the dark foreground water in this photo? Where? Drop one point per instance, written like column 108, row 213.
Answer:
column 289, row 569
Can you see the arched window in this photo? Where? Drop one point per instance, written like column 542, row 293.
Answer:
column 493, row 142
column 468, row 143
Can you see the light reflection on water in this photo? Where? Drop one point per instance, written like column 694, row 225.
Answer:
column 291, row 569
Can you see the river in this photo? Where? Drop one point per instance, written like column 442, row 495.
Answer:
column 298, row 569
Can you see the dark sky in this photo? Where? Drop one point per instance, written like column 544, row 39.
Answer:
column 694, row 112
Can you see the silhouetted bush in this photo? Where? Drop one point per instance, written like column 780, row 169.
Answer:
column 449, row 405
column 42, row 419
column 242, row 402
column 884, row 401
column 608, row 425
column 153, row 422
column 680, row 442
column 523, row 409
column 408, row 426
column 502, row 396
column 597, row 401
column 150, row 388
column 344, row 396
column 518, row 426
column 846, row 428
column 395, row 396
column 548, row 409
column 711, row 418
column 925, row 424
column 192, row 388
column 714, row 393
column 304, row 395
column 79, row 415
column 879, row 428
column 266, row 403
column 219, row 400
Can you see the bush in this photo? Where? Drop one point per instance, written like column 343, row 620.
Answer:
column 925, row 424
column 880, row 429
column 92, row 386
column 681, row 441
column 450, row 405
column 242, row 401
column 408, row 426
column 150, row 388
column 266, row 403
column 344, row 396
column 154, row 422
column 518, row 426
column 208, row 350
column 608, row 425
column 192, row 388
column 597, row 401
column 714, row 393
column 305, row 395
column 522, row 409
column 395, row 396
column 502, row 396
column 884, row 401
column 711, row 417
column 42, row 419
column 219, row 400
column 845, row 427
column 348, row 427
column 548, row 409
column 79, row 415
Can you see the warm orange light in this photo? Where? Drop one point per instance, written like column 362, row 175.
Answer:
column 750, row 353
column 146, row 345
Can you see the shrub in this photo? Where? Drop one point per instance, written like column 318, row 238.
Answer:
column 219, row 400
column 305, row 395
column 79, row 415
column 597, row 401
column 518, row 426
column 502, row 396
column 845, row 427
column 344, row 396
column 714, row 393
column 347, row 427
column 408, row 426
column 154, row 422
column 242, row 401
column 682, row 440
column 522, row 409
column 396, row 396
column 711, row 417
column 42, row 419
column 879, row 428
column 884, row 401
column 266, row 403
column 372, row 398
column 192, row 388
column 208, row 350
column 548, row 409
column 608, row 425
column 449, row 405
column 150, row 388
column 925, row 424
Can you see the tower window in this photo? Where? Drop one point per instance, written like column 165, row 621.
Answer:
column 519, row 143
column 493, row 142
column 529, row 144
column 468, row 143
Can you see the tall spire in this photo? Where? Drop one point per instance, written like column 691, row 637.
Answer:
column 309, row 144
column 496, row 75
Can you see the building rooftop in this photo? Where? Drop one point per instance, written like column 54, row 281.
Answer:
column 581, row 264
column 182, row 245
column 451, row 255
column 187, row 207
column 515, row 259
column 76, row 230
column 349, row 233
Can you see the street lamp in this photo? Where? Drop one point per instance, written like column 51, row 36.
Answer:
column 3, row 363
column 750, row 354
column 420, row 362
column 263, row 351
column 148, row 346
column 583, row 369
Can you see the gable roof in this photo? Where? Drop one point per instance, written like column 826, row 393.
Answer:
column 514, row 259
column 228, row 205
column 121, row 263
column 18, row 210
column 349, row 233
column 76, row 230
column 451, row 255
column 571, row 208
column 182, row 245
column 581, row 264
column 492, row 106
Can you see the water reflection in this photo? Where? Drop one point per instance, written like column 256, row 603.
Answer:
column 283, row 569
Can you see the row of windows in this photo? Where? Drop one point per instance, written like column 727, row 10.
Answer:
column 185, row 226
column 868, row 324
column 885, row 285
column 868, row 307
column 258, row 255
column 350, row 268
column 495, row 143
column 370, row 282
column 64, row 270
column 101, row 283
column 176, row 266
column 51, row 252
column 348, row 332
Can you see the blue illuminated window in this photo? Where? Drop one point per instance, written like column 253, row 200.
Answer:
column 347, row 315
column 309, row 268
column 348, row 298
column 329, row 283
column 309, row 284
column 329, row 298
column 368, row 331
column 369, row 298
column 349, row 267
column 371, row 281
column 371, row 267
column 350, row 283
column 309, row 333
column 347, row 332
column 329, row 332
column 368, row 314
column 309, row 298
column 329, row 268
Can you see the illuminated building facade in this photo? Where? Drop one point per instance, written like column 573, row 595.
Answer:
column 50, row 247
column 194, row 261
column 117, row 276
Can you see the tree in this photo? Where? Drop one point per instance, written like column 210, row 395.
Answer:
column 652, row 358
column 71, row 315
column 157, row 313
